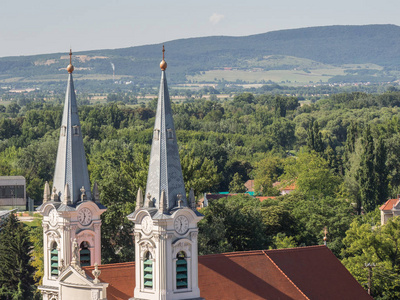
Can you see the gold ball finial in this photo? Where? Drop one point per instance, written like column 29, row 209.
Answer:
column 70, row 67
column 163, row 63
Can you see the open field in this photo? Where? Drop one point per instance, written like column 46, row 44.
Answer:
column 296, row 76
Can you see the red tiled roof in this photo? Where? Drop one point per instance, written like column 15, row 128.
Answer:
column 298, row 273
column 249, row 185
column 389, row 204
column 262, row 198
column 318, row 273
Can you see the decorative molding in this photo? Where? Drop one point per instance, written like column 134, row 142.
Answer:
column 194, row 235
column 53, row 236
column 147, row 246
column 95, row 295
column 96, row 273
column 137, row 236
column 86, row 236
column 182, row 245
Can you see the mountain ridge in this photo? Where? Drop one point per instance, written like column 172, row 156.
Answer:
column 334, row 45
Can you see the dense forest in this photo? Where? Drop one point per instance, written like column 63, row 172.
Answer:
column 341, row 152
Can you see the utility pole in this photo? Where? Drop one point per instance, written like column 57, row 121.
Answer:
column 369, row 266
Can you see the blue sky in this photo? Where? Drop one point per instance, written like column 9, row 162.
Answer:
column 47, row 26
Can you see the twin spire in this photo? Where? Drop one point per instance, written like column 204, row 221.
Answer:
column 165, row 187
column 71, row 177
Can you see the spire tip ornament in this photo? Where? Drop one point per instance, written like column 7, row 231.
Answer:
column 70, row 67
column 163, row 63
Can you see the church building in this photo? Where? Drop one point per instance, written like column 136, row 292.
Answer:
column 166, row 266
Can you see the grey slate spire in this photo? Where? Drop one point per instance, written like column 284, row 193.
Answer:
column 165, row 171
column 71, row 167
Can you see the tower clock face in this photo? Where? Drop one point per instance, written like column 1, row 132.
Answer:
column 53, row 217
column 181, row 224
column 147, row 224
column 85, row 216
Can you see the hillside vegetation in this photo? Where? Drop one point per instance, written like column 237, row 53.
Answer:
column 318, row 48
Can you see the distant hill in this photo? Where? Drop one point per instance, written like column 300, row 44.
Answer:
column 324, row 47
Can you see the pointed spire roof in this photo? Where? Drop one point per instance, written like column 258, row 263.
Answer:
column 71, row 166
column 165, row 171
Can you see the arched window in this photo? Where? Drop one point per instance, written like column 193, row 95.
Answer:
column 181, row 271
column 54, row 260
column 148, row 271
column 84, row 254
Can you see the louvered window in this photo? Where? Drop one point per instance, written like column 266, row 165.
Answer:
column 54, row 260
column 148, row 271
column 181, row 271
column 84, row 254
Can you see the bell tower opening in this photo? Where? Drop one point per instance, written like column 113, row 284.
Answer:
column 84, row 254
column 54, row 260
column 148, row 271
column 181, row 271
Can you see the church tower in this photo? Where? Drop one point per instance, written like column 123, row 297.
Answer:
column 71, row 211
column 166, row 221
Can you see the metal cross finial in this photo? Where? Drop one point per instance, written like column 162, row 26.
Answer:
column 325, row 233
column 70, row 56
column 163, row 50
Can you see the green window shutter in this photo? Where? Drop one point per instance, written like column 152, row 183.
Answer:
column 181, row 273
column 148, row 273
column 54, row 262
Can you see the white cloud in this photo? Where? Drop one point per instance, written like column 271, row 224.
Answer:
column 216, row 18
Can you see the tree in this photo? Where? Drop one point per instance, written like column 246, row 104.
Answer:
column 239, row 223
column 381, row 171
column 237, row 184
column 266, row 172
column 199, row 174
column 36, row 237
column 16, row 272
column 314, row 138
column 312, row 175
column 366, row 175
column 368, row 242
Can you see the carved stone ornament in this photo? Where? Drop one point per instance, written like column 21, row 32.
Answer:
column 86, row 236
column 51, row 295
column 62, row 267
column 194, row 235
column 95, row 295
column 52, row 236
column 182, row 245
column 75, row 263
column 147, row 247
column 96, row 273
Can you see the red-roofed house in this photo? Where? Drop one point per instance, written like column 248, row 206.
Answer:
column 298, row 273
column 390, row 209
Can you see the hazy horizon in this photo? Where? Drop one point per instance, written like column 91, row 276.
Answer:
column 31, row 28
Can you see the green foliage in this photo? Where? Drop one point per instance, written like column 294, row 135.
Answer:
column 266, row 172
column 119, row 169
column 312, row 175
column 367, row 175
column 16, row 272
column 36, row 238
column 239, row 224
column 237, row 184
column 368, row 242
column 281, row 241
column 199, row 174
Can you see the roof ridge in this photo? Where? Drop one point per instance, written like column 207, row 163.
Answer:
column 236, row 253
column 283, row 273
column 112, row 265
column 304, row 248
